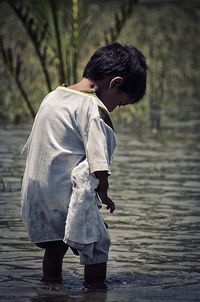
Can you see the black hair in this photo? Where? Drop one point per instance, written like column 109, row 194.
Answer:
column 119, row 60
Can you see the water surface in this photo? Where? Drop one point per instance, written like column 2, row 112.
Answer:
column 155, row 248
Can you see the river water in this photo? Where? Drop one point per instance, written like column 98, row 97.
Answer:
column 155, row 234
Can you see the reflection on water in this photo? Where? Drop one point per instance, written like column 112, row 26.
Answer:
column 155, row 230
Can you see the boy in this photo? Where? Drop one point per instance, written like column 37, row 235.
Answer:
column 71, row 126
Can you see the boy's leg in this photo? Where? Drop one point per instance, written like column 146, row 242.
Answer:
column 52, row 261
column 96, row 266
column 95, row 272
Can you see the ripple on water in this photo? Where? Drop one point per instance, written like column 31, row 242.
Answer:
column 155, row 230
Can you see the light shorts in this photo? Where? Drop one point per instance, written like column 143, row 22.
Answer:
column 96, row 252
column 92, row 253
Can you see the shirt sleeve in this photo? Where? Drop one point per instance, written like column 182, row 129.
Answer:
column 96, row 146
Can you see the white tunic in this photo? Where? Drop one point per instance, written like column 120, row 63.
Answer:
column 67, row 129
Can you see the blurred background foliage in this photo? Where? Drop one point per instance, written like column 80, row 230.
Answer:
column 47, row 42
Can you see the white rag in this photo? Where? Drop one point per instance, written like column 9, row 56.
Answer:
column 84, row 224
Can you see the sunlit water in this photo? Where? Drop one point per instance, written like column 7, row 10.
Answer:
column 155, row 234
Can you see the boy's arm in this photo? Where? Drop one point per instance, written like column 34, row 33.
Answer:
column 102, row 189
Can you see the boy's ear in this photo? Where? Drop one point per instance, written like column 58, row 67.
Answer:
column 116, row 82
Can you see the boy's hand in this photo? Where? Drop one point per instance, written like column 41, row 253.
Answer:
column 110, row 205
column 103, row 189
column 106, row 200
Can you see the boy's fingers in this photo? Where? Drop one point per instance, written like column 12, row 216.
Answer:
column 112, row 209
column 111, row 206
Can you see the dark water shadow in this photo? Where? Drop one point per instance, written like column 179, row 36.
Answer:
column 126, row 287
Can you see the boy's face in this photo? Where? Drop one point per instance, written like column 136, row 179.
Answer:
column 112, row 96
column 117, row 99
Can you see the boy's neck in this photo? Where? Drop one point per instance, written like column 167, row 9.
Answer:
column 100, row 88
column 85, row 84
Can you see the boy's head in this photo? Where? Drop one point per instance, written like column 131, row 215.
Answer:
column 124, row 68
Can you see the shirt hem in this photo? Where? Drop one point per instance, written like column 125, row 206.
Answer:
column 47, row 240
column 99, row 166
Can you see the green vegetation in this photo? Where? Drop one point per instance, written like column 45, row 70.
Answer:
column 46, row 42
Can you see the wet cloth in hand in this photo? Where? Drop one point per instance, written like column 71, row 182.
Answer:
column 84, row 224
